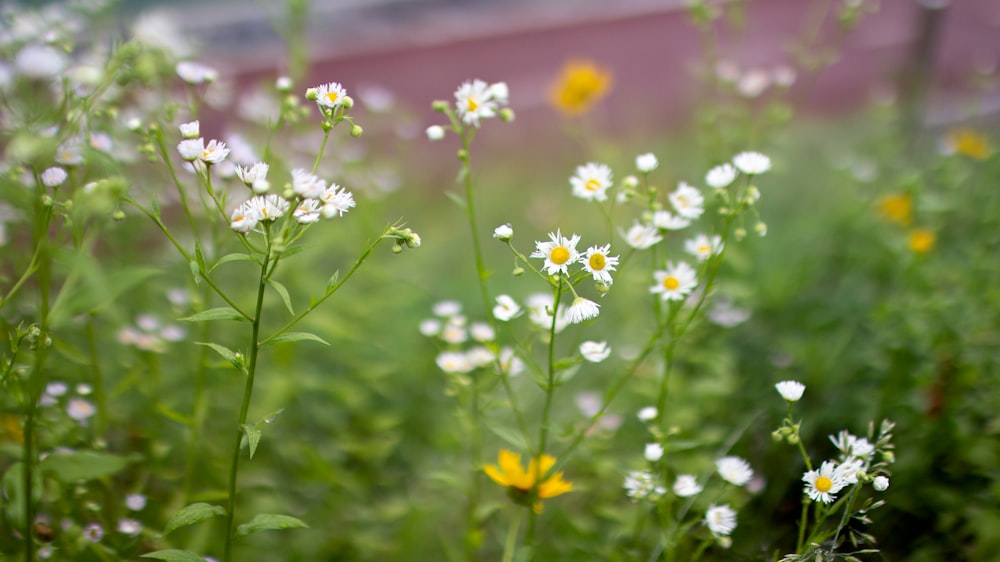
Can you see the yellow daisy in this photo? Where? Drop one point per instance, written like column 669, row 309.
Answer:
column 580, row 86
column 524, row 486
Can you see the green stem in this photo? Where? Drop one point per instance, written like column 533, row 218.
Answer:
column 322, row 147
column 95, row 363
column 244, row 407
column 28, row 272
column 510, row 545
column 803, row 523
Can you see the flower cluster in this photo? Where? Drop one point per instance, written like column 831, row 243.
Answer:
column 474, row 100
column 453, row 329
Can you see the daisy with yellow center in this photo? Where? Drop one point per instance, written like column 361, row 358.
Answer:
column 921, row 240
column 330, row 95
column 822, row 485
column 703, row 247
column 474, row 101
column 558, row 253
column 675, row 282
column 599, row 264
column 580, row 85
column 897, row 208
column 214, row 152
column 591, row 182
column 528, row 487
column 969, row 142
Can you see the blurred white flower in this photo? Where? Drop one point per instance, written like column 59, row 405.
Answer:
column 40, row 62
column 790, row 390
column 54, row 176
column 435, row 132
column 687, row 201
column 646, row 162
column 591, row 182
column 196, row 73
column 686, row 486
column 653, row 452
column 642, row 236
column 734, row 470
column 595, row 352
column 675, row 282
column 752, row 163
column 474, row 101
column 721, row 176
column 506, row 308
column 720, row 519
column 504, row 232
column 583, row 309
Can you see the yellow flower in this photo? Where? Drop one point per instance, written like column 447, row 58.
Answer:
column 971, row 143
column 523, row 485
column 580, row 86
column 921, row 240
column 897, row 208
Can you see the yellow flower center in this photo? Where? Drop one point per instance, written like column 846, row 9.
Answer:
column 597, row 262
column 559, row 255
column 592, row 185
column 704, row 249
column 823, row 484
column 332, row 96
column 472, row 104
column 206, row 153
column 682, row 201
column 671, row 283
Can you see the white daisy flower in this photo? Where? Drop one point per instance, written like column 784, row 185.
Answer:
column 430, row 327
column 506, row 308
column 558, row 253
column 54, row 176
column 674, row 283
column 250, row 175
column 56, row 388
column 307, row 185
column 721, row 176
column 503, row 233
column 244, row 218
column 196, row 73
column 435, row 132
column 646, row 163
column 307, row 211
column 509, row 362
column 481, row 356
column 686, row 486
column 703, row 247
column 454, row 331
column 336, row 201
column 599, row 264
column 880, row 483
column 190, row 130
column 734, row 470
column 447, row 308
column 482, row 332
column 822, row 485
column 791, row 391
column 591, row 182
column 93, row 532
column 583, row 309
column 641, row 485
column 135, row 502
column 71, row 153
column 330, row 95
column 647, row 414
column 852, row 446
column 653, row 452
column 214, row 152
column 595, row 352
column 454, row 362
column 474, row 101
column 669, row 221
column 540, row 312
column 687, row 201
column 39, row 62
column 642, row 236
column 752, row 163
column 500, row 92
column 271, row 207
column 129, row 527
column 191, row 149
column 720, row 520
column 79, row 409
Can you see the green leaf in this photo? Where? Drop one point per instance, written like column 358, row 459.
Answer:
column 175, row 556
column 267, row 522
column 509, row 435
column 83, row 465
column 332, row 283
column 456, row 198
column 296, row 336
column 283, row 293
column 232, row 257
column 221, row 313
column 225, row 352
column 176, row 416
column 195, row 272
column 13, row 493
column 252, row 435
column 192, row 514
column 567, row 373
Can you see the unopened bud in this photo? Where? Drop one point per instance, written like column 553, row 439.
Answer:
column 518, row 271
column 327, row 126
column 347, row 102
column 397, row 248
column 312, row 94
column 761, row 228
column 440, row 105
column 507, row 115
column 740, row 234
column 631, row 182
column 356, row 131
column 118, row 215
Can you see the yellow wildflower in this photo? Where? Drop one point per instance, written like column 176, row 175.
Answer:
column 524, row 486
column 969, row 142
column 897, row 208
column 921, row 240
column 580, row 86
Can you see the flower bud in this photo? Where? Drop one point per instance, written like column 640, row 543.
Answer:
column 397, row 248
column 284, row 84
column 507, row 115
column 740, row 234
column 312, row 94
column 440, row 105
column 356, row 131
column 435, row 132
column 760, row 228
column 118, row 215
column 518, row 271
column 347, row 102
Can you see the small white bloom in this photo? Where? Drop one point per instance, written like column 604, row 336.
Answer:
column 687, row 201
column 500, row 92
column 454, row 362
column 135, row 502
column 482, row 332
column 215, row 152
column 752, row 163
column 540, row 312
column 646, row 162
column 721, row 176
column 330, row 95
column 653, row 452
column 190, row 130
column 674, row 283
column 753, row 82
column 647, row 414
column 447, row 308
column 642, row 485
column 721, row 520
column 558, row 253
column 599, row 264
column 881, row 483
column 790, row 390
column 481, row 356
column 703, row 247
column 250, row 175
column 726, row 314
column 191, row 149
column 244, row 218
column 595, row 352
column 307, row 185
column 80, row 410
column 196, row 73
column 852, row 446
column 435, row 132
column 669, row 221
column 591, row 182
column 642, row 236
column 474, row 101
column 336, row 201
column 40, row 62
column 430, row 327
column 93, row 532
column 822, row 485
column 54, row 176
column 283, row 84
column 506, row 308
column 583, row 309
column 734, row 470
column 129, row 527
column 504, row 232
column 84, row 389
column 271, row 207
column 509, row 362
column 307, row 211
column 849, row 469
column 686, row 486
column 455, row 331
column 56, row 388
column 783, row 76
